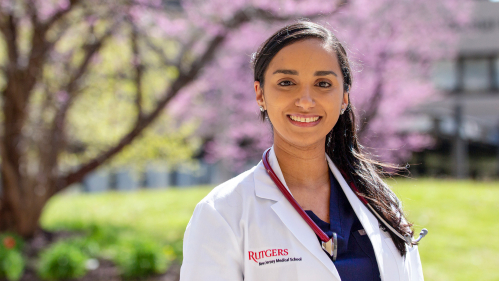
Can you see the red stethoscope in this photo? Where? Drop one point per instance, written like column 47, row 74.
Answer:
column 330, row 245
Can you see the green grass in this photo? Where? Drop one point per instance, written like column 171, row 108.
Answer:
column 462, row 220
column 461, row 217
column 162, row 214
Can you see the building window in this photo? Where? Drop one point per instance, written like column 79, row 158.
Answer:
column 444, row 75
column 476, row 74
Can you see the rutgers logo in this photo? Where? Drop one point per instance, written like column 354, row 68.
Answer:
column 267, row 254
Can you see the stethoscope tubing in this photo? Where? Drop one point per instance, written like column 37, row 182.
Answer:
column 406, row 238
column 323, row 236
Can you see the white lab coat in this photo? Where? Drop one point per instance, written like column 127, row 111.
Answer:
column 245, row 229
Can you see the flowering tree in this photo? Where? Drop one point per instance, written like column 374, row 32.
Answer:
column 81, row 80
column 391, row 44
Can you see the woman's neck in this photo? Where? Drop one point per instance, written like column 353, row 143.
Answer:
column 302, row 167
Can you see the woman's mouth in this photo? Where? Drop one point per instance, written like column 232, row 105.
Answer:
column 304, row 121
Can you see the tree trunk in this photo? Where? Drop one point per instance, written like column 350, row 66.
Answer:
column 20, row 203
column 21, row 219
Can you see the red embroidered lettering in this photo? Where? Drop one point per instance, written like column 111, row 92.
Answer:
column 255, row 256
column 252, row 255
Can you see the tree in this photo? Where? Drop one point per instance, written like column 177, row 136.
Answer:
column 392, row 44
column 55, row 50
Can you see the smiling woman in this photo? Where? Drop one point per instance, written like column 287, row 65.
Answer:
column 315, row 208
column 302, row 89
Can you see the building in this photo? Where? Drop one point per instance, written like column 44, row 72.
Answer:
column 465, row 123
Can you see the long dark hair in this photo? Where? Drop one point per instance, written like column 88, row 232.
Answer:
column 344, row 148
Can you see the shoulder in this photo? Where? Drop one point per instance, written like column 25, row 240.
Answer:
column 215, row 225
column 232, row 193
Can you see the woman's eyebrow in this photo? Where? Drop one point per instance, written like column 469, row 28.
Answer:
column 286, row 71
column 294, row 72
column 324, row 73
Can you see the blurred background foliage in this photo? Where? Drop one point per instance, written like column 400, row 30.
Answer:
column 105, row 108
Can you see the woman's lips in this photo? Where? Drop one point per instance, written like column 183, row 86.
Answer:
column 304, row 120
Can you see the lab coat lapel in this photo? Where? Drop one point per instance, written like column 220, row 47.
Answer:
column 367, row 219
column 302, row 231
column 265, row 188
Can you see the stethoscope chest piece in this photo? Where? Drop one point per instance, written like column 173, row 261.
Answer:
column 331, row 246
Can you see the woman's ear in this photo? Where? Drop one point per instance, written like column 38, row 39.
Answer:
column 346, row 97
column 260, row 99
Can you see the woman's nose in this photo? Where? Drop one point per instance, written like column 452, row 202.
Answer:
column 305, row 99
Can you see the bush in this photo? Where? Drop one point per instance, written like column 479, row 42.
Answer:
column 139, row 257
column 135, row 255
column 12, row 262
column 62, row 260
column 87, row 245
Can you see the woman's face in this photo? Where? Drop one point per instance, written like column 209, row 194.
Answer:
column 303, row 93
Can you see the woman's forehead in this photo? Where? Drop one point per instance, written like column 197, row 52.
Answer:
column 306, row 55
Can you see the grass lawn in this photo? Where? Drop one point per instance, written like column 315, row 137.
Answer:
column 462, row 220
column 162, row 214
column 461, row 217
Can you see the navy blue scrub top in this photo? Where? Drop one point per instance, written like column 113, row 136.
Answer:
column 356, row 259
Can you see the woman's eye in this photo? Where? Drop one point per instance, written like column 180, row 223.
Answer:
column 324, row 84
column 285, row 83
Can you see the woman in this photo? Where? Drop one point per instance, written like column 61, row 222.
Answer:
column 254, row 227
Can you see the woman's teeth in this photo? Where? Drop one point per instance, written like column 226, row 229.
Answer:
column 302, row 119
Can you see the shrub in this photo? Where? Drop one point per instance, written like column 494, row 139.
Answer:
column 135, row 255
column 12, row 262
column 87, row 245
column 139, row 257
column 107, row 235
column 62, row 260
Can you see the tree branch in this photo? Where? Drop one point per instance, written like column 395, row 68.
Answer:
column 90, row 51
column 40, row 46
column 248, row 14
column 139, row 69
column 72, row 85
column 164, row 59
column 9, row 31
column 31, row 9
column 373, row 105
column 71, row 88
column 61, row 13
column 181, row 81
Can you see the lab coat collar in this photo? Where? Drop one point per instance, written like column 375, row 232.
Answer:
column 366, row 218
column 266, row 188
